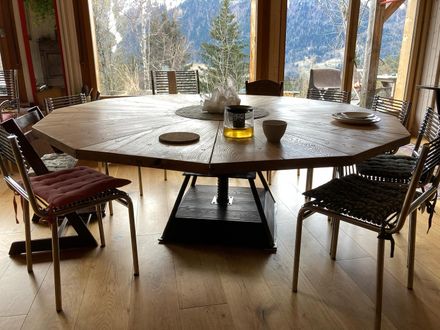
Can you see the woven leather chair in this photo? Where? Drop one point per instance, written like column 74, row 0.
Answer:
column 9, row 95
column 175, row 82
column 381, row 207
column 264, row 87
column 398, row 168
column 56, row 194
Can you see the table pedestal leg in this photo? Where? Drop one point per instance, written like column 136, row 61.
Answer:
column 247, row 221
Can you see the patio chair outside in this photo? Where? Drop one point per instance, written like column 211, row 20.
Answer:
column 9, row 94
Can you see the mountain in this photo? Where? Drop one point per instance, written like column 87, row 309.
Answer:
column 314, row 29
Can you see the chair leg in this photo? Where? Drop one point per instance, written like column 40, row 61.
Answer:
column 133, row 236
column 27, row 233
column 141, row 189
column 110, row 205
column 299, row 222
column 309, row 182
column 334, row 240
column 298, row 172
column 101, row 227
column 56, row 266
column 165, row 176
column 269, row 177
column 379, row 282
column 411, row 248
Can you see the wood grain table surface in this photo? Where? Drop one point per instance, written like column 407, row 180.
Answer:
column 127, row 130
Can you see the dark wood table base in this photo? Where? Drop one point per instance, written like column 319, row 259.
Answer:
column 249, row 221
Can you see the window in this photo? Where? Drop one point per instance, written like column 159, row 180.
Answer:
column 135, row 37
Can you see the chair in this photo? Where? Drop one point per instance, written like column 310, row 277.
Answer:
column 54, row 161
column 269, row 88
column 381, row 207
column 391, row 106
column 56, row 194
column 398, row 168
column 175, row 82
column 328, row 95
column 9, row 95
column 264, row 87
column 53, row 103
column 325, row 79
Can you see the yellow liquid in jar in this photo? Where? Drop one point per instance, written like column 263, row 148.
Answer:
column 238, row 133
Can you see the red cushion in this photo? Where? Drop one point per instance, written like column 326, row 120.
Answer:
column 64, row 187
column 7, row 115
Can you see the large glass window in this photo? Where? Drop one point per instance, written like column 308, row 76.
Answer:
column 315, row 38
column 134, row 37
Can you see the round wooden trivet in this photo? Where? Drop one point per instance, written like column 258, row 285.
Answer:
column 179, row 137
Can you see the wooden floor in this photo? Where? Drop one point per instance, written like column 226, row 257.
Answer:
column 209, row 287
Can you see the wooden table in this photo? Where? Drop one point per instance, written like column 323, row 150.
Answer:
column 126, row 130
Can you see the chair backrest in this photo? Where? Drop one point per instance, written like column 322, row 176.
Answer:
column 26, row 121
column 264, row 87
column 175, row 82
column 328, row 95
column 325, row 79
column 53, row 103
column 33, row 160
column 429, row 129
column 397, row 108
column 427, row 166
column 8, row 84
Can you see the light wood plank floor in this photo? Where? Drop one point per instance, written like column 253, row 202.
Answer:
column 211, row 287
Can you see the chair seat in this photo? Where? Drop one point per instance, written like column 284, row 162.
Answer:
column 370, row 201
column 392, row 168
column 63, row 188
column 56, row 162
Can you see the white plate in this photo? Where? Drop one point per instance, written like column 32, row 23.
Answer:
column 356, row 115
column 356, row 121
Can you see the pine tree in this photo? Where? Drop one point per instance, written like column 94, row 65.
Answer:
column 224, row 54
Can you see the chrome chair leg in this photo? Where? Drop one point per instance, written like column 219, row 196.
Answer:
column 379, row 282
column 334, row 239
column 411, row 248
column 141, row 189
column 100, row 225
column 133, row 236
column 110, row 204
column 27, row 233
column 56, row 266
column 299, row 222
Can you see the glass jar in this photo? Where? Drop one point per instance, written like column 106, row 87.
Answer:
column 238, row 122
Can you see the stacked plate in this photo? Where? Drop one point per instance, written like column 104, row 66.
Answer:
column 356, row 117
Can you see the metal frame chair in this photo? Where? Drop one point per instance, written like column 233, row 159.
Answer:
column 398, row 108
column 175, row 82
column 398, row 168
column 9, row 94
column 44, row 209
column 381, row 207
column 53, row 103
column 328, row 95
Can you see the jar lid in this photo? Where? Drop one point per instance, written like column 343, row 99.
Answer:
column 239, row 108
